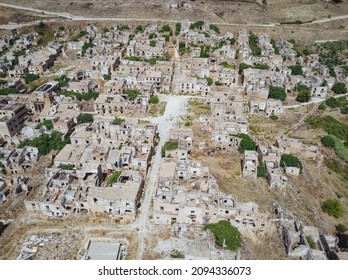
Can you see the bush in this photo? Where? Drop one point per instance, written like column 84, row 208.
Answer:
column 169, row 146
column 80, row 96
column 215, row 28
column 247, row 144
column 339, row 88
column 86, row 118
column 290, row 160
column 132, row 93
column 328, row 141
column 304, row 94
column 165, row 28
column 261, row 66
column 154, row 99
column 333, row 207
column 341, row 228
column 322, row 106
column 177, row 28
column 261, row 171
column 344, row 110
column 209, row 81
column 107, row 77
column 62, row 80
column 113, row 178
column 225, row 235
column 311, row 242
column 45, row 143
column 29, row 78
column 47, row 123
column 296, row 69
column 333, row 102
column 66, row 166
column 118, row 121
column 330, row 125
column 197, row 25
column 153, row 43
column 277, row 93
column 244, row 66
column 274, row 117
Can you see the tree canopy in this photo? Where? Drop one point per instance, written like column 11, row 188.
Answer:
column 277, row 93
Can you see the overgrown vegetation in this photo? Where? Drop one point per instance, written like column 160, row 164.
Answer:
column 261, row 171
column 333, row 207
column 86, row 118
column 118, row 121
column 29, row 78
column 177, row 28
column 132, row 93
column 311, row 242
column 66, row 166
column 47, row 123
column 169, row 146
column 247, row 144
column 296, row 69
column 46, row 143
column 330, row 125
column 253, row 44
column 277, row 93
column 154, row 99
column 113, row 178
column 304, row 94
column 225, row 235
column 339, row 88
column 79, row 96
column 62, row 80
column 290, row 160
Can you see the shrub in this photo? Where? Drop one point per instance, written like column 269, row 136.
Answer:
column 304, row 94
column 209, row 81
column 290, row 160
column 117, row 121
column 333, row 207
column 215, row 28
column 261, row 66
column 197, row 25
column 62, row 80
column 328, row 141
column 47, row 123
column 165, row 28
column 247, row 144
column 225, row 235
column 244, row 66
column 113, row 178
column 277, row 93
column 154, row 99
column 153, row 43
column 261, row 171
column 66, row 166
column 86, row 118
column 45, row 143
column 132, row 93
column 296, row 69
column 341, row 228
column 322, row 106
column 107, row 77
column 339, row 88
column 333, row 102
column 274, row 117
column 30, row 78
column 169, row 146
column 311, row 242
column 177, row 28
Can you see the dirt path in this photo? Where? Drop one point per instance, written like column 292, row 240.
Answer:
column 176, row 107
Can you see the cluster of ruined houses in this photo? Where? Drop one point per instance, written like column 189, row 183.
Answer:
column 305, row 242
column 187, row 194
column 75, row 180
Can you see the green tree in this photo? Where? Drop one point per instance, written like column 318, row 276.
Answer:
column 153, row 43
column 86, row 118
column 339, row 88
column 277, row 93
column 177, row 28
column 225, row 235
column 244, row 66
column 290, row 160
column 333, row 207
column 246, row 144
